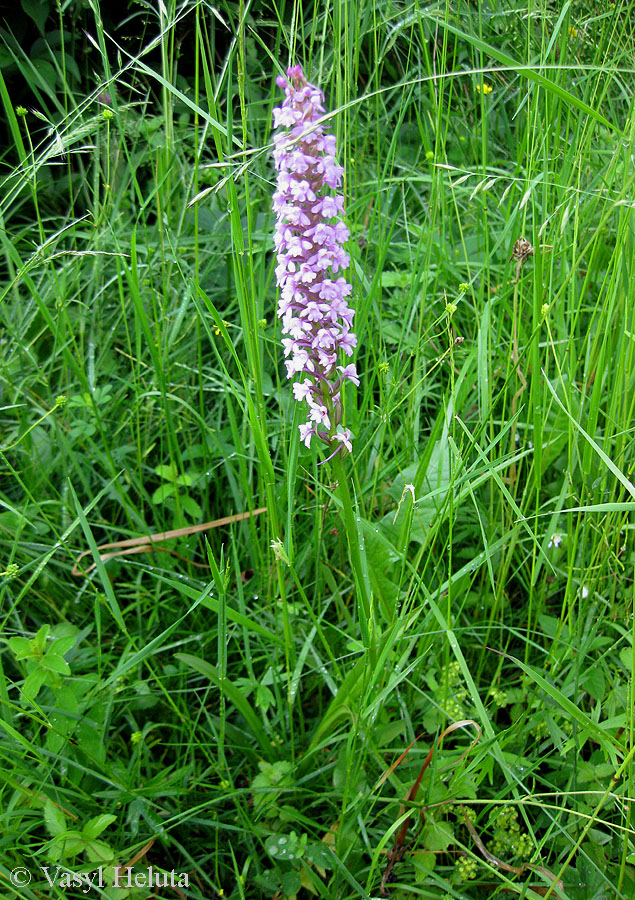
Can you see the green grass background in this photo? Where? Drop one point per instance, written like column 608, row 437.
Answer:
column 233, row 709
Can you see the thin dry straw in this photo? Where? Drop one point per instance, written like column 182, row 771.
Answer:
column 146, row 544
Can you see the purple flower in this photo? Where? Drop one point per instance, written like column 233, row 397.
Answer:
column 309, row 240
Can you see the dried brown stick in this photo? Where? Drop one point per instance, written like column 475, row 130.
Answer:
column 501, row 864
column 145, row 544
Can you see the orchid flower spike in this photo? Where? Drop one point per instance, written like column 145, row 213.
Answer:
column 309, row 239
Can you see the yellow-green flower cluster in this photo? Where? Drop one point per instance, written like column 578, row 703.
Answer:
column 508, row 839
column 499, row 697
column 466, row 868
column 452, row 704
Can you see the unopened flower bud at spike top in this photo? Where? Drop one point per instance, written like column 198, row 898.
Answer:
column 309, row 239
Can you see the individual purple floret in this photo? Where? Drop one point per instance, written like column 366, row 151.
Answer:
column 309, row 240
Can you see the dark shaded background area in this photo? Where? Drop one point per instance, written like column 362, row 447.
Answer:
column 41, row 62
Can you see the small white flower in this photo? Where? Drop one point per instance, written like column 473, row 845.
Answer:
column 279, row 552
column 306, row 433
column 584, row 592
column 303, row 389
column 349, row 372
column 555, row 540
column 407, row 488
column 344, row 435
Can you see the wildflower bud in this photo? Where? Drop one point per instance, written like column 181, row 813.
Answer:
column 20, row 111
column 466, row 868
column 279, row 552
column 61, row 401
column 309, row 239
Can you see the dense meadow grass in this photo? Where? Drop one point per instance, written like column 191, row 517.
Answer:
column 405, row 672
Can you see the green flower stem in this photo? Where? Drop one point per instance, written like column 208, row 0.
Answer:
column 356, row 551
column 60, row 403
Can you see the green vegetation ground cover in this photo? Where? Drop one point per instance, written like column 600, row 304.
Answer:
column 236, row 704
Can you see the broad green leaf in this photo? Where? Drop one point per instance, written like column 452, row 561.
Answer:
column 320, row 855
column 163, row 492
column 54, row 818
column 67, row 845
column 382, row 557
column 285, row 846
column 64, row 644
column 54, row 663
column 66, row 698
column 437, row 836
column 360, row 679
column 33, row 683
column 21, row 647
column 594, row 682
column 99, row 852
column 37, row 11
column 91, row 740
column 47, row 73
column 39, row 641
column 94, row 827
column 191, row 507
column 66, row 61
column 424, row 862
column 291, row 883
column 168, row 472
column 55, row 740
